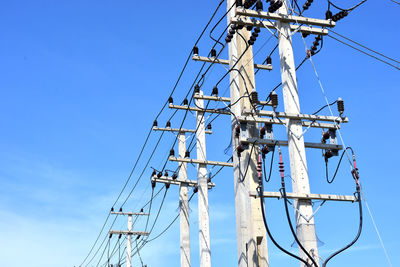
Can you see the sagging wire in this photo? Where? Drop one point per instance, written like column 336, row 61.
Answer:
column 260, row 192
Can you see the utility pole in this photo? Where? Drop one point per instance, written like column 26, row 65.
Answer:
column 204, row 217
column 129, row 233
column 184, row 205
column 183, row 182
column 297, row 155
column 251, row 235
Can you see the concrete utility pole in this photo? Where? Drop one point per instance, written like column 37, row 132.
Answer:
column 204, row 218
column 184, row 205
column 129, row 243
column 251, row 235
column 129, row 234
column 298, row 163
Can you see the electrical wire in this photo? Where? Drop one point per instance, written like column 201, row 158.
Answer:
column 337, row 168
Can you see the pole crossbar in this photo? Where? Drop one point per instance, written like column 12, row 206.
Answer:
column 226, row 62
column 169, row 180
column 205, row 162
column 285, row 18
column 285, row 143
column 324, row 197
column 177, row 130
column 312, row 124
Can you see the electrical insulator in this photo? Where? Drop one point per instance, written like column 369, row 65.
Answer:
column 328, row 154
column 254, row 97
column 340, row 15
column 259, row 6
column 239, row 3
column 209, row 126
column 185, row 102
column 159, row 174
column 239, row 149
column 174, row 176
column 274, row 99
column 119, row 236
column 168, row 124
column 253, row 38
column 195, row 50
column 275, row 5
column 112, row 209
column 340, row 106
column 141, row 210
column 170, row 100
column 110, row 236
column 249, row 28
column 232, row 31
column 328, row 14
column 153, row 183
column 215, row 91
column 269, row 60
column 257, row 29
column 154, row 173
column 307, row 4
column 167, row 186
column 264, row 151
column 120, row 209
column 316, row 43
column 281, row 167
column 172, row 153
column 262, row 132
column 195, row 189
column 250, row 42
column 325, row 136
column 213, row 53
column 187, row 154
column 155, row 123
column 318, row 38
column 237, row 130
column 228, row 40
column 254, row 34
column 166, row 174
column 196, row 89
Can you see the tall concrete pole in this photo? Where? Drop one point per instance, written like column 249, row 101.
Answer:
column 297, row 155
column 204, row 220
column 251, row 234
column 129, row 243
column 184, row 206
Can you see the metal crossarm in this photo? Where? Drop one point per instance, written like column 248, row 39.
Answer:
column 226, row 99
column 266, row 24
column 129, row 213
column 312, row 124
column 219, row 111
column 117, row 232
column 169, row 180
column 307, row 196
column 285, row 18
column 206, row 162
column 177, row 130
column 226, row 62
column 285, row 143
column 295, row 116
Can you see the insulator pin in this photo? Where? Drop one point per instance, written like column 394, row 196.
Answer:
column 172, row 153
column 259, row 5
column 195, row 50
column 159, row 174
column 215, row 91
column 209, row 126
column 185, row 102
column 269, row 60
column 174, row 176
column 155, row 123
column 213, row 53
column 170, row 100
column 168, row 124
column 196, row 89
column 262, row 132
column 187, row 154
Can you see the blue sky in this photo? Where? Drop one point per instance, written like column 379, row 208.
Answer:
column 81, row 82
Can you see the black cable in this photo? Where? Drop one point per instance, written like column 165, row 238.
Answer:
column 148, row 135
column 359, row 50
column 141, row 261
column 291, row 225
column 219, row 21
column 261, row 196
column 349, row 9
column 337, row 167
column 363, row 46
column 319, row 110
column 358, row 233
column 270, row 167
